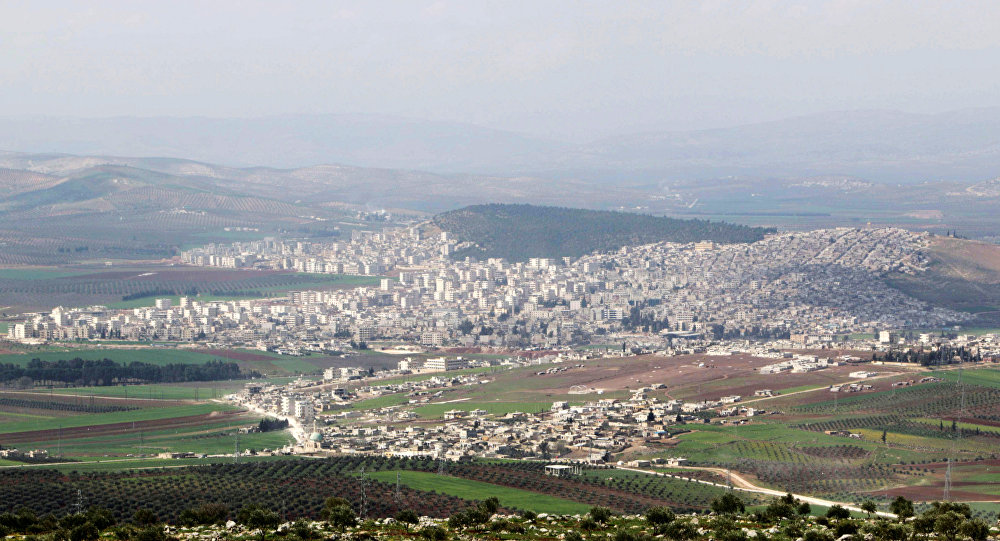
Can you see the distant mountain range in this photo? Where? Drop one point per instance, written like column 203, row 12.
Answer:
column 878, row 146
column 86, row 190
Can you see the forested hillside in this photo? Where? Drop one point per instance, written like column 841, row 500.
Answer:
column 519, row 232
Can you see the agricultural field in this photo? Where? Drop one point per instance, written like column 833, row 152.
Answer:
column 208, row 390
column 267, row 363
column 474, row 490
column 798, row 440
column 195, row 390
column 923, row 426
column 134, row 285
column 297, row 488
column 76, row 424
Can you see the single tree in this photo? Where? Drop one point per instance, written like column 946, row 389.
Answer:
column 257, row 517
column 902, row 508
column 728, row 504
column 837, row 512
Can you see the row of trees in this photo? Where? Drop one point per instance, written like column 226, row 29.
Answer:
column 939, row 356
column 107, row 372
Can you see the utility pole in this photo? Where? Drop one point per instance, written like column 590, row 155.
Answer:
column 947, row 482
column 398, row 495
column 364, row 495
column 236, row 447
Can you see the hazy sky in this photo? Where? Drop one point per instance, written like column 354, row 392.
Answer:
column 568, row 69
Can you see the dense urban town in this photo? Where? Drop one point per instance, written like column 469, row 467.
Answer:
column 806, row 286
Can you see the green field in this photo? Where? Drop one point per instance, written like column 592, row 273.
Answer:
column 39, row 273
column 475, row 490
column 210, row 439
column 157, row 356
column 159, row 391
column 195, row 390
column 984, row 377
column 116, row 417
column 47, row 287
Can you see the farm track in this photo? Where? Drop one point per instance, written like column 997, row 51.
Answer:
column 741, row 483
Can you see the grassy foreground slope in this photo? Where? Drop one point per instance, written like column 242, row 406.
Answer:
column 519, row 232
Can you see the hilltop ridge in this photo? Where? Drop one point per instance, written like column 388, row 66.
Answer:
column 518, row 232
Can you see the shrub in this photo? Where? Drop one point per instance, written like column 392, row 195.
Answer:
column 407, row 516
column 434, row 533
column 341, row 516
column 728, row 504
column 84, row 532
column 144, row 517
column 490, row 505
column 151, row 533
column 680, row 531
column 301, row 529
column 817, row 535
column 601, row 515
column 660, row 516
column 209, row 513
column 837, row 512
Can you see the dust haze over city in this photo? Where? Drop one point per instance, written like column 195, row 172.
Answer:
column 481, row 270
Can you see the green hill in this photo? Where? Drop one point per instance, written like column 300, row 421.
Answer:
column 519, row 232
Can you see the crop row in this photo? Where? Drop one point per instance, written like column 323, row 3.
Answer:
column 900, row 425
column 297, row 488
column 924, row 400
column 836, row 452
column 169, row 492
column 7, row 402
column 825, row 478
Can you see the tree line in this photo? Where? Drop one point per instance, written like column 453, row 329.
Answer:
column 942, row 355
column 96, row 373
